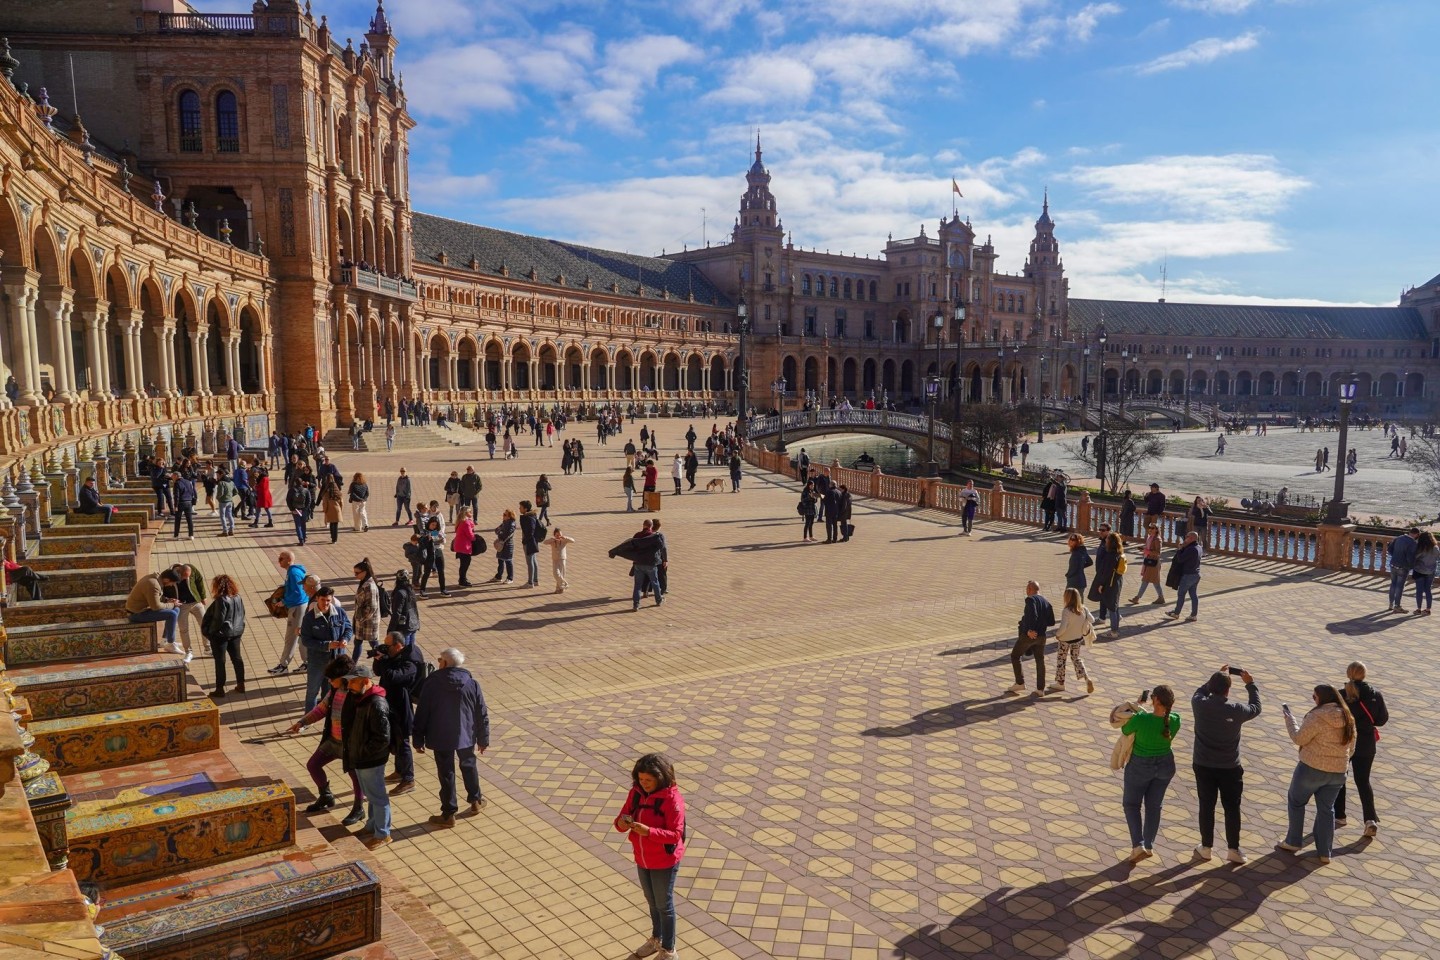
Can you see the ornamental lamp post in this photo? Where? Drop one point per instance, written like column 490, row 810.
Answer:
column 1000, row 372
column 1100, row 375
column 1338, row 509
column 1189, row 357
column 960, row 384
column 1124, row 355
column 1040, row 430
column 932, row 390
column 938, row 322
column 779, row 387
column 742, row 313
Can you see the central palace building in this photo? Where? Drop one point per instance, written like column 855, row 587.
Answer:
column 222, row 240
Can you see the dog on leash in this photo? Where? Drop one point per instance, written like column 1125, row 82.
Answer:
column 717, row 484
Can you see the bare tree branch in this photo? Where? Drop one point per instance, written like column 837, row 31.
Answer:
column 1128, row 447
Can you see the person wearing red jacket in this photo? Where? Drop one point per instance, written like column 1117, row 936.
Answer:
column 654, row 816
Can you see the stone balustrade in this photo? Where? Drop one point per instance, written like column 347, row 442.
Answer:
column 1326, row 546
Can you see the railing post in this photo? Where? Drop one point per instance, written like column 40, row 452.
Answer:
column 1082, row 513
column 928, row 487
column 997, row 501
column 875, row 473
column 1332, row 550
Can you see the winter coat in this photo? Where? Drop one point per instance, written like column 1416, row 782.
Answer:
column 366, row 730
column 1075, row 626
column 1075, row 571
column 402, row 488
column 452, row 715
column 542, row 493
column 641, row 549
column 528, row 540
column 664, row 813
column 1369, row 712
column 316, row 633
column 331, row 503
column 367, row 612
column 505, row 540
column 263, row 497
column 224, row 619
column 1319, row 737
column 807, row 505
column 404, row 612
column 359, row 492
column 397, row 675
column 469, row 486
column 464, row 542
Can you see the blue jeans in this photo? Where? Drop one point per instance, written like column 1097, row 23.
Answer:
column 629, row 499
column 1189, row 584
column 1307, row 782
column 227, row 518
column 299, row 519
column 1146, row 780
column 1159, row 590
column 1422, row 591
column 532, row 568
column 1397, row 586
column 169, row 616
column 659, row 887
column 315, row 682
column 645, row 579
column 372, row 784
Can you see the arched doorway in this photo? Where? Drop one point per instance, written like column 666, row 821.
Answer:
column 867, row 377
column 694, row 374
column 848, row 383
column 672, row 373
column 520, row 367
column 466, row 372
column 812, row 374
column 647, row 371
column 439, row 363
column 599, row 370
column 549, row 367
column 574, row 372
column 717, row 374
column 494, row 362
column 624, row 371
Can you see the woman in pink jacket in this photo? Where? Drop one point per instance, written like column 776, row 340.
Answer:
column 464, row 544
column 654, row 816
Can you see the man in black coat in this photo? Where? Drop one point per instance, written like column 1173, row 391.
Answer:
column 452, row 720
column 643, row 551
column 1039, row 616
column 831, row 508
column 397, row 667
column 845, row 512
column 365, row 748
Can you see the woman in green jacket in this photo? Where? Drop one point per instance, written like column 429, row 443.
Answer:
column 1150, row 769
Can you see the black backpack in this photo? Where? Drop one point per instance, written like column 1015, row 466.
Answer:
column 384, row 599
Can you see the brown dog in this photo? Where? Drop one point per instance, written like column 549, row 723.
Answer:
column 717, row 484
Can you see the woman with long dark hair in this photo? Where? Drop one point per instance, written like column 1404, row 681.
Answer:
column 432, row 549
column 222, row 627
column 1326, row 739
column 654, row 816
column 1150, row 768
column 366, row 619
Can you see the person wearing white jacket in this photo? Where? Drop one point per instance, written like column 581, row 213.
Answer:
column 677, row 472
column 1076, row 631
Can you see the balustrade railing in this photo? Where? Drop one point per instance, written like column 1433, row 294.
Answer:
column 1367, row 553
column 886, row 419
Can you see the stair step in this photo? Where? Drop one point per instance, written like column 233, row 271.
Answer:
column 146, row 832
column 64, row 690
column 46, row 643
column 315, row 915
column 99, row 741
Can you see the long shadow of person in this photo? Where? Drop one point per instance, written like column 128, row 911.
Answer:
column 952, row 717
column 1049, row 916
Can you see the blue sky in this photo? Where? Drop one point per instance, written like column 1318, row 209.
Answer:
column 1267, row 149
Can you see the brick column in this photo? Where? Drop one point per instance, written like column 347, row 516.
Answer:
column 997, row 501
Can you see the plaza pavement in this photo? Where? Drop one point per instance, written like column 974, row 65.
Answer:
column 858, row 785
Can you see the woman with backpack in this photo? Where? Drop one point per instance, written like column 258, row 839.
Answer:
column 366, row 619
column 404, row 615
column 1110, row 566
column 1367, row 707
column 1075, row 632
column 654, row 816
column 331, row 710
column 530, row 539
column 222, row 627
column 464, row 544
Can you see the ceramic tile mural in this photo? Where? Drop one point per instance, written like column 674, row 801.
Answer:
column 87, row 641
column 317, row 915
column 132, row 837
column 96, row 741
column 103, row 688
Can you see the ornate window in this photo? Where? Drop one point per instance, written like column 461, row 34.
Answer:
column 191, row 137
column 227, row 122
column 834, row 287
column 805, row 285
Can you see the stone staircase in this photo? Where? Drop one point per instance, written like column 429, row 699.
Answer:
column 337, row 441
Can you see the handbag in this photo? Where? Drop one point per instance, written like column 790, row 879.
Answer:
column 1375, row 729
column 1152, row 561
column 275, row 603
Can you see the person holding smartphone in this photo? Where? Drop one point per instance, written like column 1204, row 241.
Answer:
column 654, row 816
column 1150, row 768
column 1326, row 739
column 1216, row 760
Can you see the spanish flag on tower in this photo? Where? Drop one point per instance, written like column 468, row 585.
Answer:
column 956, row 186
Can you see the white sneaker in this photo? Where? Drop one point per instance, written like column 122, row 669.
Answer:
column 647, row 949
column 1235, row 856
column 1015, row 689
column 189, row 656
column 1340, row 822
column 174, row 648
column 1138, row 854
column 1288, row 848
column 1372, row 827
column 1055, row 688
column 1203, row 853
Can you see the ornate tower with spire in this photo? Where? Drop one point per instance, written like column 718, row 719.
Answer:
column 381, row 41
column 1045, row 267
column 758, row 217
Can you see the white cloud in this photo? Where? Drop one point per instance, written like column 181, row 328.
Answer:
column 775, row 79
column 1200, row 52
column 455, row 82
column 445, row 191
column 1215, row 6
column 717, row 14
column 631, row 68
column 1081, row 25
column 1212, row 186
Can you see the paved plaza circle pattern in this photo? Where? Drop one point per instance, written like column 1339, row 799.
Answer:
column 859, row 785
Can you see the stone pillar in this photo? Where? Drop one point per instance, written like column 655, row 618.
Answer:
column 928, row 487
column 231, row 352
column 164, row 336
column 997, row 501
column 200, row 360
column 1333, row 545
column 262, row 364
column 69, row 481
column 29, row 346
column 59, row 304
column 96, row 314
column 1082, row 513
column 131, row 326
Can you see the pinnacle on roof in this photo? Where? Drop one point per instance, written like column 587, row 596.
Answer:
column 379, row 24
column 1045, row 212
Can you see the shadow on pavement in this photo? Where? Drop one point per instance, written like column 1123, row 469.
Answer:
column 953, row 717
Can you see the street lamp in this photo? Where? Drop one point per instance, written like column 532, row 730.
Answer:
column 960, row 383
column 1040, row 430
column 938, row 322
column 1339, row 510
column 932, row 390
column 1189, row 356
column 742, row 313
column 1101, row 377
column 1124, row 355
column 1000, row 371
column 1085, row 378
column 779, row 387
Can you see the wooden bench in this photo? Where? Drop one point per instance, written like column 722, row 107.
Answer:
column 89, row 641
column 320, row 914
column 65, row 690
column 60, row 612
column 99, row 741
column 145, row 832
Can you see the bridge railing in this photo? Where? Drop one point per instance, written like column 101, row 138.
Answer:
column 847, row 421
column 1258, row 538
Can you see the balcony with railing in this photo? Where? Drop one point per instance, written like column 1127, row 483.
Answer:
column 362, row 279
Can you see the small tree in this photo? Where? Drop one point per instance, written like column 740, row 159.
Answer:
column 987, row 428
column 1127, row 448
column 1423, row 455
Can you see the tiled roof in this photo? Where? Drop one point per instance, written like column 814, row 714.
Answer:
column 493, row 250
column 1127, row 317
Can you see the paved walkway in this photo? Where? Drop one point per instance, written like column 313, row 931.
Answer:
column 857, row 781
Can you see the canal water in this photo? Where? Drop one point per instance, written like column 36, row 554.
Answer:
column 894, row 458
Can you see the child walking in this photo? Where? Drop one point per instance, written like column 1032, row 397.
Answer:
column 558, row 542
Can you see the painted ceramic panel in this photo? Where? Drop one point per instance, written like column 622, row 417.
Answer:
column 27, row 646
column 104, row 740
column 103, row 689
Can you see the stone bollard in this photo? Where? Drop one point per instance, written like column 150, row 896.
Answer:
column 1333, row 545
column 928, row 489
column 997, row 501
column 1082, row 513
